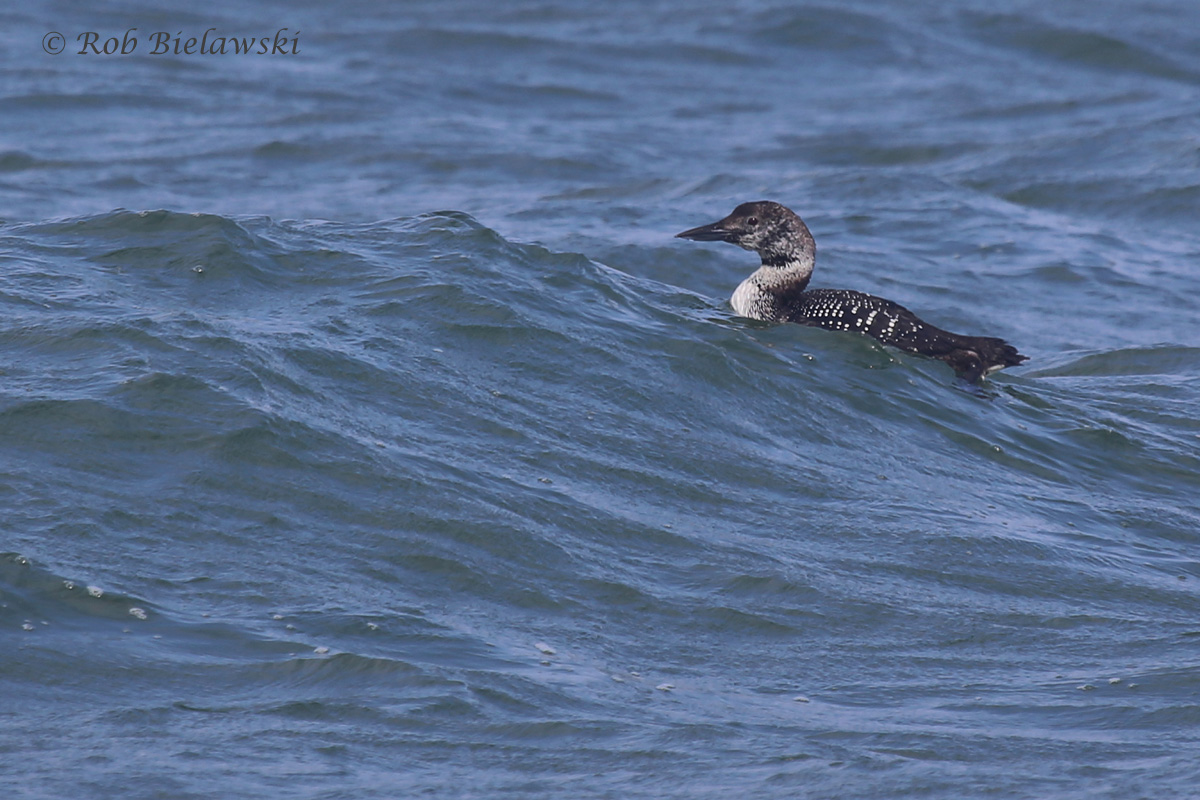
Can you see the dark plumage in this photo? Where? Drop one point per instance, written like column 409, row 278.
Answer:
column 778, row 292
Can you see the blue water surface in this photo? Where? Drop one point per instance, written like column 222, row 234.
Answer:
column 364, row 432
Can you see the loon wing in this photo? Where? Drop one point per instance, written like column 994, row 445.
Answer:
column 972, row 357
column 889, row 322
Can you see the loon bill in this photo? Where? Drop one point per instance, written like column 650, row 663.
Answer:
column 777, row 292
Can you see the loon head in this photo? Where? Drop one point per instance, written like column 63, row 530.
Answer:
column 773, row 231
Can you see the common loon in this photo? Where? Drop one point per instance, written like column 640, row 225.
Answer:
column 776, row 293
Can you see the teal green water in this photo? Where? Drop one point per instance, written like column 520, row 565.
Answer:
column 420, row 460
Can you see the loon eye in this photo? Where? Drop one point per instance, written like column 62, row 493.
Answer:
column 752, row 221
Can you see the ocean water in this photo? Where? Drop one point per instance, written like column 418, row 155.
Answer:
column 364, row 432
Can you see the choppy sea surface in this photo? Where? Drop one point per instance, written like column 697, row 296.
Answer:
column 364, row 432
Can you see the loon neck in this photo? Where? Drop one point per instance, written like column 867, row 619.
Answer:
column 792, row 271
column 769, row 292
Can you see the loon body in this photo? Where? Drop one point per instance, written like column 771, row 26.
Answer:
column 778, row 292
